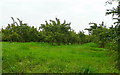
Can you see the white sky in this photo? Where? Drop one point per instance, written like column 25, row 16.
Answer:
column 35, row 12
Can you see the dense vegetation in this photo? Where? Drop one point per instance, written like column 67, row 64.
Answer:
column 38, row 57
column 53, row 32
column 115, row 11
column 57, row 33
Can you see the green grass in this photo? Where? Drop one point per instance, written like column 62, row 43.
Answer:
column 45, row 58
column 0, row 57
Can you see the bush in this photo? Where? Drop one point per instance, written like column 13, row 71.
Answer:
column 111, row 45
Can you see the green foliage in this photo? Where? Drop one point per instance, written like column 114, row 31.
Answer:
column 112, row 45
column 116, row 12
column 19, row 33
column 53, row 32
column 102, row 35
column 82, row 37
column 57, row 33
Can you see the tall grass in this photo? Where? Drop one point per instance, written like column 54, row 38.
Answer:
column 46, row 58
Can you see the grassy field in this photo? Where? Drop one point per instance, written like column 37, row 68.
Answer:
column 45, row 58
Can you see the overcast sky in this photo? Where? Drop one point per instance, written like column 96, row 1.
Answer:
column 35, row 12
